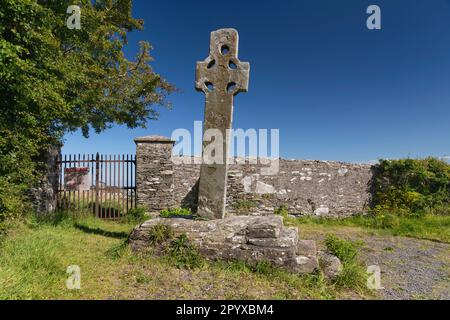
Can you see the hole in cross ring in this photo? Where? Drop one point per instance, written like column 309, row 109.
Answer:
column 231, row 87
column 209, row 85
column 224, row 49
column 232, row 65
column 211, row 64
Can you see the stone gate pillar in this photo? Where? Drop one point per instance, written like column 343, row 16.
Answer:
column 154, row 172
column 43, row 195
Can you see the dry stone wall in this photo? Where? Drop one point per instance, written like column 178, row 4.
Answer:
column 322, row 188
column 305, row 187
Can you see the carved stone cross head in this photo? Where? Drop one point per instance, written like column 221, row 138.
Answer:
column 222, row 73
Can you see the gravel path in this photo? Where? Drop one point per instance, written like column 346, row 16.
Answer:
column 410, row 268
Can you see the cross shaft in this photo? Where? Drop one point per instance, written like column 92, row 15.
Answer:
column 221, row 76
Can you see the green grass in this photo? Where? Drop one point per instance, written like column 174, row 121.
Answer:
column 34, row 257
column 160, row 234
column 175, row 212
column 353, row 273
column 430, row 227
column 183, row 254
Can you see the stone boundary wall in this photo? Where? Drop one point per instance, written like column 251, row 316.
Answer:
column 305, row 187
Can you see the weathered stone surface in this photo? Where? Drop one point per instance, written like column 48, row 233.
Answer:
column 242, row 238
column 330, row 265
column 306, row 264
column 307, row 248
column 154, row 175
column 266, row 228
column 287, row 237
column 328, row 193
column 220, row 76
column 322, row 211
column 264, row 188
column 153, row 139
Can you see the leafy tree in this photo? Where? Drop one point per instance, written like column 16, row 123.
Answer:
column 54, row 80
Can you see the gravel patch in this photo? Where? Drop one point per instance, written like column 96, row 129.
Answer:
column 410, row 268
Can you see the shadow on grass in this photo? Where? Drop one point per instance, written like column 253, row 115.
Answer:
column 101, row 232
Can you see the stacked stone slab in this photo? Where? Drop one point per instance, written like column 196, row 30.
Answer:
column 240, row 238
column 154, row 174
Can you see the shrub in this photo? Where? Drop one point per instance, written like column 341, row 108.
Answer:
column 12, row 203
column 175, row 212
column 411, row 186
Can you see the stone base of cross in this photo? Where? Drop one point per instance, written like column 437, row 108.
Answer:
column 220, row 77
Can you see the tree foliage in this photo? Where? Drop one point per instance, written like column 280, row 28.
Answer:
column 55, row 80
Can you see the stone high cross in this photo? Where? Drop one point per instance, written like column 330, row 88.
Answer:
column 221, row 76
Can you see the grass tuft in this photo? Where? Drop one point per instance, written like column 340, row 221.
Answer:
column 184, row 254
column 353, row 274
column 160, row 234
column 175, row 212
column 346, row 251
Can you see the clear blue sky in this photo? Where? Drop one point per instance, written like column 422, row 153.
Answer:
column 336, row 90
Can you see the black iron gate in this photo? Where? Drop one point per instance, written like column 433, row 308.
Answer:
column 102, row 184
